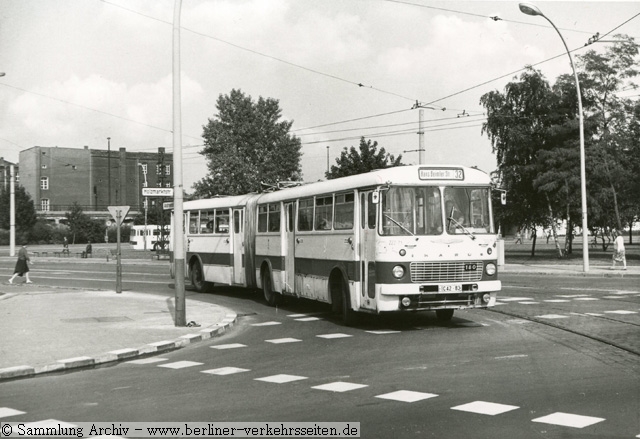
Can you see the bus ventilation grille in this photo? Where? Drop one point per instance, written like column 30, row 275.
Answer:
column 466, row 271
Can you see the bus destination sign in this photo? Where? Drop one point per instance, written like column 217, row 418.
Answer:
column 441, row 174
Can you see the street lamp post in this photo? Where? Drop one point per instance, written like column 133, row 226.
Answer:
column 533, row 10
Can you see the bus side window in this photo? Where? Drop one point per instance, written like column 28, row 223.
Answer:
column 371, row 211
column 222, row 221
column 194, row 217
column 344, row 211
column 305, row 214
column 206, row 222
column 274, row 217
column 291, row 216
column 324, row 213
column 262, row 218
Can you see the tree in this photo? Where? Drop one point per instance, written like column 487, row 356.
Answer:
column 25, row 212
column 247, row 145
column 81, row 227
column 352, row 162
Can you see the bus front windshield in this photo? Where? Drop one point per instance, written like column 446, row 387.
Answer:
column 419, row 210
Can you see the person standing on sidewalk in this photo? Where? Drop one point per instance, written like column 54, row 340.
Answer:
column 22, row 266
column 618, row 250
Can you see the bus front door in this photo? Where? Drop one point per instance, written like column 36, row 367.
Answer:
column 290, row 242
column 238, row 247
column 367, row 250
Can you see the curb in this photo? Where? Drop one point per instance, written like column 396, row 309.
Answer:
column 121, row 354
column 533, row 271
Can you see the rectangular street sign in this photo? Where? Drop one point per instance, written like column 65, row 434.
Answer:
column 167, row 205
column 157, row 191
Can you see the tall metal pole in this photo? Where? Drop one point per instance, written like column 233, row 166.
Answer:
column 12, row 211
column 327, row 159
column 421, row 160
column 530, row 9
column 118, row 261
column 109, row 170
column 178, row 216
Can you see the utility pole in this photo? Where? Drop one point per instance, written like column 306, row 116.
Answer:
column 109, row 170
column 12, row 211
column 420, row 137
column 178, row 215
column 327, row 159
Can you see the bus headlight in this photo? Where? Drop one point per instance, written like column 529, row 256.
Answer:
column 398, row 271
column 490, row 269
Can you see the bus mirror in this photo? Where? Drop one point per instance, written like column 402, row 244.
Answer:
column 375, row 197
column 503, row 198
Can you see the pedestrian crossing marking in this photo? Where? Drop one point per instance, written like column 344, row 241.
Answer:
column 266, row 324
column 308, row 319
column 552, row 316
column 568, row 420
column 339, row 386
column 529, row 303
column 225, row 370
column 557, row 300
column 283, row 340
column 586, row 298
column 229, row 346
column 621, row 311
column 407, row 396
column 5, row 412
column 514, row 299
column 180, row 364
column 147, row 360
column 382, row 332
column 336, row 335
column 485, row 408
column 281, row 378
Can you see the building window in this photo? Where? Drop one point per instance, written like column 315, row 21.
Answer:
column 167, row 169
column 167, row 185
column 158, row 169
column 44, row 183
column 145, row 184
column 44, row 205
column 144, row 168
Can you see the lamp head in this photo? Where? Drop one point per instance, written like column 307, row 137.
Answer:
column 529, row 9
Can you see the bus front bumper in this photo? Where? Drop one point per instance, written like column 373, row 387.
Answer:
column 425, row 297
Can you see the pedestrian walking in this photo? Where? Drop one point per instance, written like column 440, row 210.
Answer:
column 518, row 237
column 618, row 251
column 22, row 266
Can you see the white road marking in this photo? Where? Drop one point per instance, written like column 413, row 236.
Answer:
column 336, row 335
column 382, row 332
column 281, row 378
column 180, row 364
column 147, row 360
column 5, row 412
column 229, row 346
column 552, row 316
column 407, row 396
column 339, row 386
column 308, row 319
column 266, row 324
column 283, row 340
column 568, row 420
column 225, row 370
column 485, row 408
column 621, row 311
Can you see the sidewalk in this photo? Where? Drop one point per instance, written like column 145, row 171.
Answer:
column 563, row 269
column 47, row 329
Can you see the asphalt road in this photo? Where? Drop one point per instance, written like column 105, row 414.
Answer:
column 537, row 366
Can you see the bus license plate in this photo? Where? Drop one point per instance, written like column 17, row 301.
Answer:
column 449, row 288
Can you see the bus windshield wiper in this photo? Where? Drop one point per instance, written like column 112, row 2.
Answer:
column 400, row 225
column 462, row 227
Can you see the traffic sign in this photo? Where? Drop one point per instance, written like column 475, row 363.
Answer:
column 118, row 213
column 157, row 191
column 167, row 205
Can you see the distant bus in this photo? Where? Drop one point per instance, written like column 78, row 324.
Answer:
column 410, row 238
column 152, row 237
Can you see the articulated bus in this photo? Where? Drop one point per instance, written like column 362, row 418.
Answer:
column 150, row 234
column 411, row 238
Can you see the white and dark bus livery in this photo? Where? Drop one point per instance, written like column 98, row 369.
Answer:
column 410, row 238
column 151, row 234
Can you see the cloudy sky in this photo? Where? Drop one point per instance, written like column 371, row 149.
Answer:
column 79, row 71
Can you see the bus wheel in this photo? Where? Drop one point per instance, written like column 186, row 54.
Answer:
column 197, row 278
column 270, row 296
column 341, row 302
column 444, row 315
